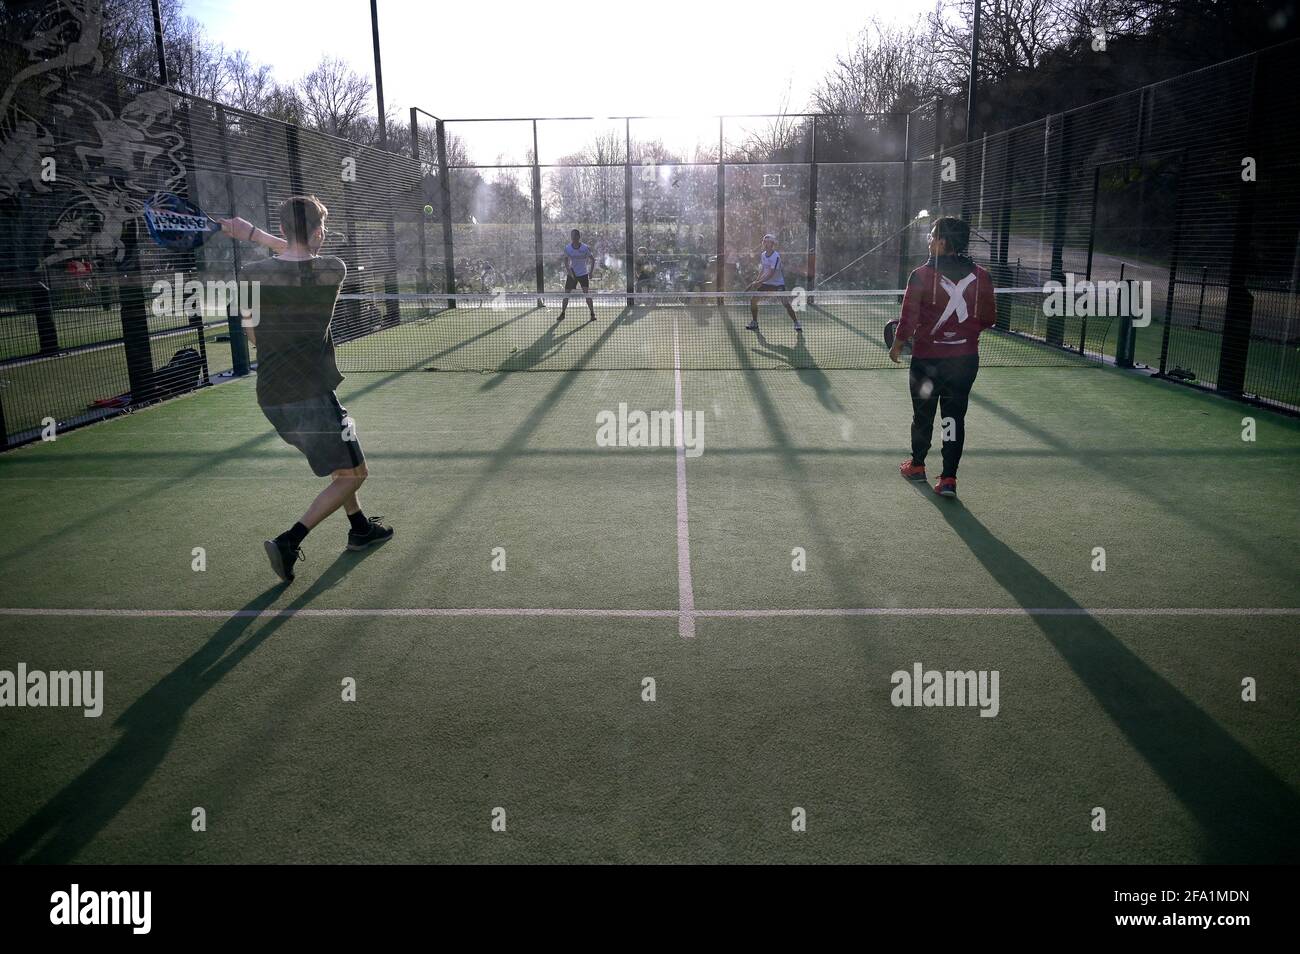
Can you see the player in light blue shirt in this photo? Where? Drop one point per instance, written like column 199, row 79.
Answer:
column 578, row 265
column 771, row 278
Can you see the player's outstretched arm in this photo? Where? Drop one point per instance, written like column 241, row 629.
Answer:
column 245, row 231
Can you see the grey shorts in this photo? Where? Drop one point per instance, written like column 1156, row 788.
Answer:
column 318, row 426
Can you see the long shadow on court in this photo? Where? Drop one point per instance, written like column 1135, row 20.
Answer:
column 1246, row 813
column 60, row 829
column 805, row 367
column 1174, row 503
column 852, row 328
column 499, row 459
column 928, row 781
column 537, row 352
column 408, row 328
column 204, row 465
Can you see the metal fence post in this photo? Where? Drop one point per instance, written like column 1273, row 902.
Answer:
column 444, row 186
column 721, row 213
column 238, row 340
column 1173, row 279
column 907, row 203
column 812, row 211
column 419, row 168
column 1200, row 305
column 1239, row 304
column 1056, row 326
column 537, row 216
column 629, row 257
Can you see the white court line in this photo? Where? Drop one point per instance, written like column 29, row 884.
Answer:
column 1007, row 611
column 482, row 611
column 685, row 591
column 414, row 611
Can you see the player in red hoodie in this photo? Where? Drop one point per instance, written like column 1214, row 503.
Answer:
column 947, row 303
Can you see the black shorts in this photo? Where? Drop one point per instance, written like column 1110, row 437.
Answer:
column 319, row 428
column 573, row 281
column 771, row 288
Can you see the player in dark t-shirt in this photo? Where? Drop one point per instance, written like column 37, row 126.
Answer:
column 295, row 350
column 297, row 374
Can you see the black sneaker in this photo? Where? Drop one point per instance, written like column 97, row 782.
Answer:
column 283, row 555
column 376, row 533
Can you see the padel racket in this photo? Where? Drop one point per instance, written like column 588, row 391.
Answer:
column 177, row 223
column 891, row 332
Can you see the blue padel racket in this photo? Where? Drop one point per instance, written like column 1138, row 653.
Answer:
column 177, row 223
column 891, row 332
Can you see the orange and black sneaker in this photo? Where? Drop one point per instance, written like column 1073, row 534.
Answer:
column 946, row 487
column 911, row 471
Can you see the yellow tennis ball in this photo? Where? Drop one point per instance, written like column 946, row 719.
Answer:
column 428, row 210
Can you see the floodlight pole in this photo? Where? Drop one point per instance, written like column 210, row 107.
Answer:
column 379, row 73
column 971, row 97
column 158, row 44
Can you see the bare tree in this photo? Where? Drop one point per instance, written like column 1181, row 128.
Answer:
column 583, row 189
column 127, row 40
column 887, row 69
column 335, row 97
column 250, row 85
column 196, row 65
column 1015, row 35
column 284, row 103
column 781, row 138
column 1083, row 18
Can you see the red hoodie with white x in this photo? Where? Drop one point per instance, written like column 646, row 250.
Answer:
column 947, row 303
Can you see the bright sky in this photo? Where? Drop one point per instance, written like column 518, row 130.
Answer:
column 526, row 58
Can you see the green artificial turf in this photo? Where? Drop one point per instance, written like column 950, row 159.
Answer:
column 544, row 716
column 64, row 387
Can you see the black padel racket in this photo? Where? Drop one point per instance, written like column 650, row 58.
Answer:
column 891, row 332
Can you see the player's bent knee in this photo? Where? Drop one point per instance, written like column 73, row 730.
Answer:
column 354, row 475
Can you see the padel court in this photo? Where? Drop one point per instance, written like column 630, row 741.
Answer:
column 501, row 642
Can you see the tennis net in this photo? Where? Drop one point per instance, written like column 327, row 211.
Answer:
column 517, row 331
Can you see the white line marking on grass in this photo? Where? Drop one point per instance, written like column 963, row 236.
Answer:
column 685, row 591
column 486, row 611
column 1008, row 611
column 414, row 611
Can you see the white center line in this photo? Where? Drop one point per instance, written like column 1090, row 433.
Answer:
column 685, row 591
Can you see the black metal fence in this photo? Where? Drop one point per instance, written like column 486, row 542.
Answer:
column 85, row 330
column 1192, row 185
